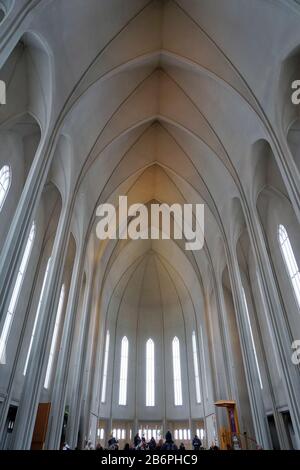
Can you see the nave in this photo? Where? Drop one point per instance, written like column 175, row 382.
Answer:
column 162, row 101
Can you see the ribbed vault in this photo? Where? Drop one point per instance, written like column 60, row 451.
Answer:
column 162, row 101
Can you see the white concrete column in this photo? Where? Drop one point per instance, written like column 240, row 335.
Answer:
column 77, row 387
column 275, row 311
column 21, row 224
column 233, row 389
column 206, row 326
column 36, row 370
column 61, row 376
column 255, row 397
column 89, row 372
column 225, row 359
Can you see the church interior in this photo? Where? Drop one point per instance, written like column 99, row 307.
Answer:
column 166, row 102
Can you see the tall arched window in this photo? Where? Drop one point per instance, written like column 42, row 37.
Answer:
column 252, row 338
column 177, row 372
column 196, row 367
column 55, row 335
column 15, row 294
column 103, row 392
column 123, row 372
column 150, row 384
column 5, row 180
column 204, row 362
column 37, row 315
column 290, row 261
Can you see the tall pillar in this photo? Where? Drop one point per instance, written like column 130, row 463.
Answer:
column 61, row 377
column 221, row 321
column 217, row 390
column 89, row 376
column 275, row 311
column 110, row 425
column 20, row 226
column 164, row 427
column 33, row 383
column 256, row 402
column 77, row 388
column 233, row 389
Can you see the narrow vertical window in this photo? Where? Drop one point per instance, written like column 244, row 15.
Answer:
column 5, row 180
column 177, row 372
column 123, row 372
column 15, row 294
column 55, row 335
column 204, row 363
column 37, row 316
column 252, row 338
column 290, row 261
column 150, row 385
column 105, row 365
column 196, row 368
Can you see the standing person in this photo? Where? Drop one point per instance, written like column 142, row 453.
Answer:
column 112, row 443
column 196, row 443
column 136, row 440
column 152, row 444
column 169, row 443
column 144, row 445
column 182, row 446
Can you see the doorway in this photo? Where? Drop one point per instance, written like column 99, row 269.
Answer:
column 273, row 432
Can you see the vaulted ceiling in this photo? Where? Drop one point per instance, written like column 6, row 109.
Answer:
column 159, row 100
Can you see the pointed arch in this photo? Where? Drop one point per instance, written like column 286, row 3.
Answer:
column 196, row 368
column 16, row 293
column 150, row 373
column 177, row 372
column 290, row 261
column 5, row 182
column 104, row 380
column 123, row 371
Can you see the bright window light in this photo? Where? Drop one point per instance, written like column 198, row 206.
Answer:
column 150, row 385
column 204, row 363
column 196, row 368
column 104, row 382
column 177, row 372
column 37, row 316
column 55, row 335
column 252, row 338
column 5, row 181
column 15, row 295
column 290, row 261
column 123, row 372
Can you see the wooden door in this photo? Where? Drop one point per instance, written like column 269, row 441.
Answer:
column 40, row 428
